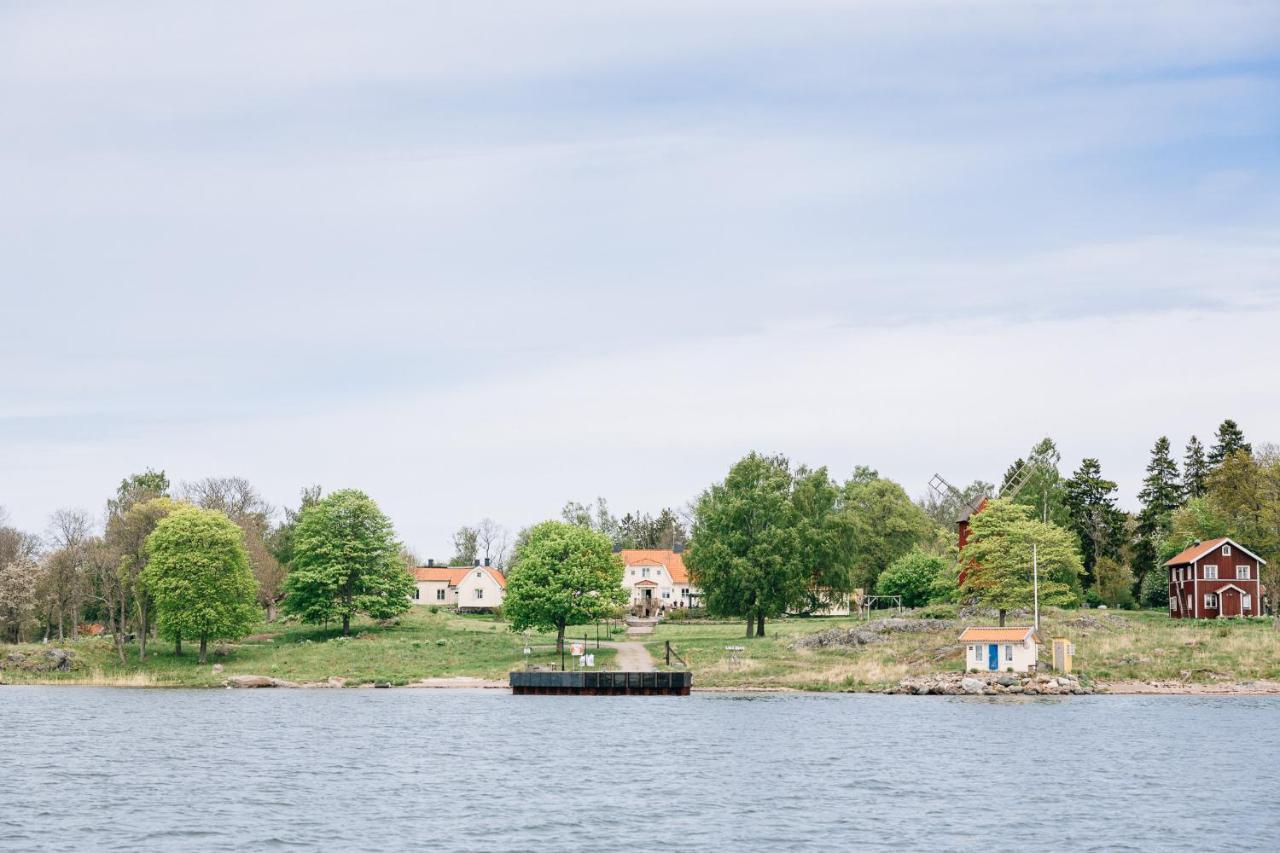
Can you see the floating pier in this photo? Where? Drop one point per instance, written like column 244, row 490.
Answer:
column 601, row 683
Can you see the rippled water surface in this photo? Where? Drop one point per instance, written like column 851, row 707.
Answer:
column 86, row 769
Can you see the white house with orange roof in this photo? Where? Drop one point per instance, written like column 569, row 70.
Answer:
column 474, row 588
column 657, row 579
column 1000, row 649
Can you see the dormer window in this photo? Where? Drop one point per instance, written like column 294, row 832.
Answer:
column 1226, row 550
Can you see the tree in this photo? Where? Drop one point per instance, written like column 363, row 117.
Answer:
column 1044, row 490
column 199, row 577
column 1195, row 469
column 466, row 544
column 565, row 574
column 136, row 489
column 886, row 524
column 1093, row 516
column 238, row 500
column 1161, row 495
column 1113, row 582
column 68, row 534
column 128, row 527
column 913, row 576
column 281, row 539
column 946, row 509
column 1230, row 439
column 19, row 576
column 998, row 558
column 346, row 561
column 491, row 542
column 825, row 539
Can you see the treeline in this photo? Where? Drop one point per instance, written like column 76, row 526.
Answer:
column 204, row 561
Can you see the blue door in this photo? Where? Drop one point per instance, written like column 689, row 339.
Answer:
column 993, row 657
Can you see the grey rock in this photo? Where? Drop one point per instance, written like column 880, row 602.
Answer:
column 972, row 686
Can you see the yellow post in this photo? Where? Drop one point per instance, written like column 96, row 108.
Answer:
column 1062, row 652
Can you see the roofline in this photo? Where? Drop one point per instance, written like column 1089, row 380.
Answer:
column 1220, row 541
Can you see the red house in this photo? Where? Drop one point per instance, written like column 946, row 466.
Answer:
column 1215, row 578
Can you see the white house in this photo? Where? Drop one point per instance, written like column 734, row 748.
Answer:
column 464, row 587
column 657, row 579
column 1000, row 649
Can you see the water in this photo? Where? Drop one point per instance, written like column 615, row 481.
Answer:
column 88, row 769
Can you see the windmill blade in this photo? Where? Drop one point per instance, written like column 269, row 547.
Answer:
column 1019, row 479
column 944, row 490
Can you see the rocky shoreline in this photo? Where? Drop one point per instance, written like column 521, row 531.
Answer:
column 990, row 684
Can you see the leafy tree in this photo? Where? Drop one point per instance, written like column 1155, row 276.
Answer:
column 998, row 558
column 946, row 509
column 198, row 574
column 466, row 544
column 136, row 489
column 1045, row 490
column 238, row 500
column 1161, row 495
column 1230, row 439
column 65, row 575
column 19, row 575
column 1195, row 470
column 1093, row 516
column 745, row 553
column 281, row 539
column 565, row 574
column 886, row 524
column 127, row 531
column 346, row 561
column 1244, row 494
column 1113, row 582
column 825, row 539
column 914, row 576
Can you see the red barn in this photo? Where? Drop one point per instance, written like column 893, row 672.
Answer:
column 1215, row 578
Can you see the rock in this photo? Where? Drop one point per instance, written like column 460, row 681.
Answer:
column 337, row 681
column 217, row 668
column 1007, row 681
column 1016, row 688
column 972, row 686
column 249, row 681
column 13, row 660
column 1031, row 691
column 59, row 659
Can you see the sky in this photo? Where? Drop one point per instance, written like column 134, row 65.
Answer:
column 478, row 259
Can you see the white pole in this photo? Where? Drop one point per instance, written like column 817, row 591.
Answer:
column 1035, row 582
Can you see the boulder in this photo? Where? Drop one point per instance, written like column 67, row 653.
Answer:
column 1008, row 680
column 972, row 686
column 55, row 658
column 217, row 668
column 250, row 681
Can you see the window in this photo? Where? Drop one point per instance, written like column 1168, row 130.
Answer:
column 1226, row 550
column 1211, row 600
column 1008, row 652
column 479, row 574
column 666, row 593
column 1173, row 603
column 1246, row 602
column 439, row 595
column 685, row 592
column 1242, row 573
column 479, row 593
column 644, row 572
column 416, row 591
column 1211, row 573
column 633, row 573
column 977, row 652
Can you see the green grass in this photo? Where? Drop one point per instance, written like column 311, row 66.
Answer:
column 422, row 645
column 1142, row 646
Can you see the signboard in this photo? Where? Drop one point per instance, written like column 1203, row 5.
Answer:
column 576, row 649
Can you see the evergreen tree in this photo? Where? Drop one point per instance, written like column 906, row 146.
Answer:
column 1044, row 490
column 1093, row 515
column 1161, row 495
column 1194, row 470
column 1230, row 438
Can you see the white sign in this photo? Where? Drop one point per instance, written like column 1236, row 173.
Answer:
column 576, row 650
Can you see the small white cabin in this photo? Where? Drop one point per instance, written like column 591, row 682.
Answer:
column 1000, row 649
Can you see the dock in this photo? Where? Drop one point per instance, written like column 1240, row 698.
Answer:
column 601, row 683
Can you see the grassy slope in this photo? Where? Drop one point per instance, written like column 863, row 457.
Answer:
column 423, row 645
column 1145, row 646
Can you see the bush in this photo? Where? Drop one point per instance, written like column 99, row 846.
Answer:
column 938, row 611
column 911, row 576
column 684, row 614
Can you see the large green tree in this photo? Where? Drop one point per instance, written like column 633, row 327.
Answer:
column 885, row 524
column 346, row 561
column 1161, row 495
column 998, row 559
column 128, row 526
column 563, row 574
column 1093, row 516
column 914, row 576
column 199, row 577
column 238, row 500
column 1195, row 470
column 1045, row 488
column 1229, row 440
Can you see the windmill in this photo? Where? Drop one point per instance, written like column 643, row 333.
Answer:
column 1013, row 484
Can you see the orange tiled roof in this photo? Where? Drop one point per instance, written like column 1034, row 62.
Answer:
column 1195, row 552
column 670, row 560
column 451, row 575
column 995, row 635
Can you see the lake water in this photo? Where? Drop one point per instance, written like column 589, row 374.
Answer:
column 88, row 769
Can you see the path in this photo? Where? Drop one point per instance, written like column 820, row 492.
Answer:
column 632, row 657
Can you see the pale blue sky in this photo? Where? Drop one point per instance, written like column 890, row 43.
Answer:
column 479, row 259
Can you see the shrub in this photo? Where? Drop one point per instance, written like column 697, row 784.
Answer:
column 911, row 576
column 938, row 611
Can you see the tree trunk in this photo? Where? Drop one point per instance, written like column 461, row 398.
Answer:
column 204, row 646
column 346, row 625
column 271, row 611
column 142, row 631
column 177, row 646
column 751, row 622
column 120, row 633
column 760, row 623
column 1002, row 612
column 61, row 636
column 560, row 638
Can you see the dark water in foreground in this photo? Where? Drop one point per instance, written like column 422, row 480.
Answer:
column 87, row 769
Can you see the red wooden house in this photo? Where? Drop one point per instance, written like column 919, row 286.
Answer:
column 1215, row 578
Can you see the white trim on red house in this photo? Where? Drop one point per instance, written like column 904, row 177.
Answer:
column 1225, row 541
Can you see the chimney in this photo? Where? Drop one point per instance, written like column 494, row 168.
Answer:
column 1197, row 543
column 617, row 548
column 477, row 565
column 678, row 547
column 431, row 563
column 486, row 562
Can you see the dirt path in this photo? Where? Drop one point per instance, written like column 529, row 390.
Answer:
column 632, row 657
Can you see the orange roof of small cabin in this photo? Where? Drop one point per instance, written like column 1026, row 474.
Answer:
column 1195, row 552
column 453, row 575
column 997, row 635
column 671, row 560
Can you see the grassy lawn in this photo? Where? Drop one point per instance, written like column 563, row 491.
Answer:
column 1110, row 646
column 422, row 645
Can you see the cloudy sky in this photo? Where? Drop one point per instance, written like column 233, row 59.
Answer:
column 478, row 259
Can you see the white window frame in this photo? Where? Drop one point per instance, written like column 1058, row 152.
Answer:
column 1173, row 602
column 439, row 595
column 977, row 652
column 1008, row 652
column 1207, row 569
column 1246, row 602
column 1243, row 577
column 644, row 573
column 1211, row 601
column 1226, row 550
column 479, row 593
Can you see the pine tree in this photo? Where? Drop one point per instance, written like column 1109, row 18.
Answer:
column 1093, row 515
column 1194, row 470
column 1161, row 495
column 1230, row 439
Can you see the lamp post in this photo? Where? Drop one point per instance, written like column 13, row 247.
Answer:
column 1035, row 583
